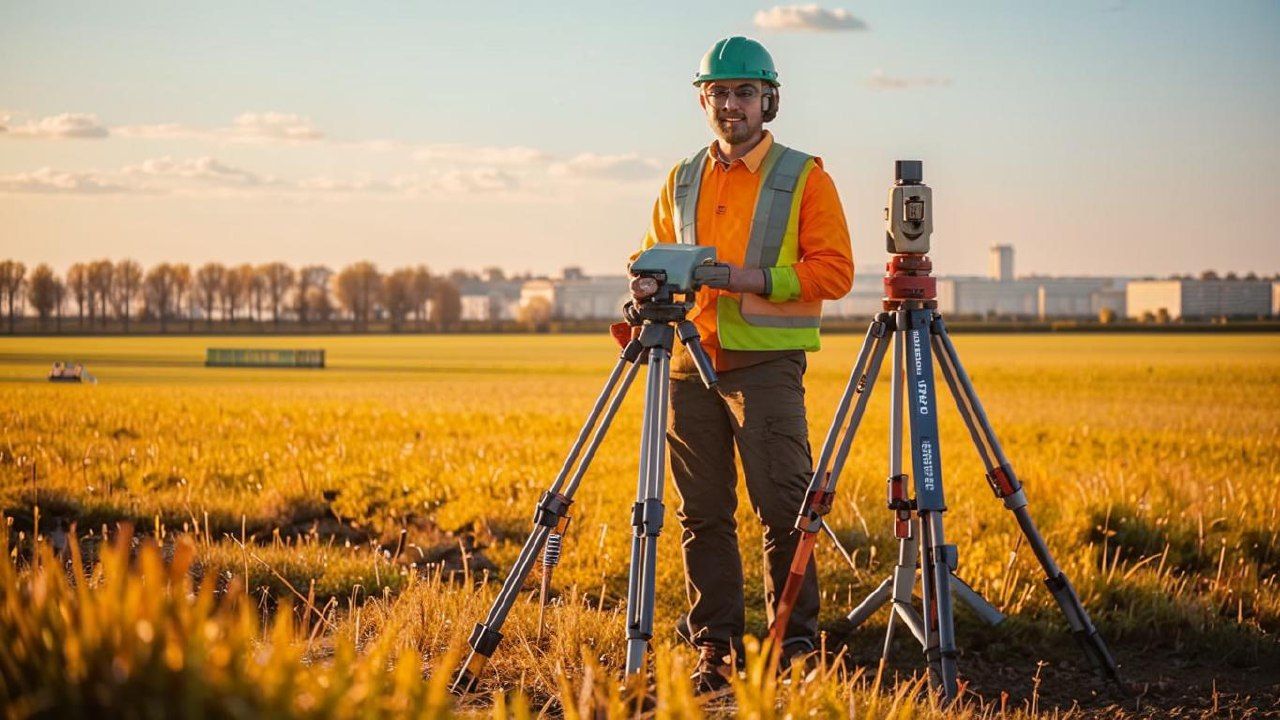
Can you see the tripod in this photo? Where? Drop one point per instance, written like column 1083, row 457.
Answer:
column 660, row 323
column 918, row 336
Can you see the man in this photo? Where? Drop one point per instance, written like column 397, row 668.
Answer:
column 773, row 215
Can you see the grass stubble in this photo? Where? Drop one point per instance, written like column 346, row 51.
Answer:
column 318, row 544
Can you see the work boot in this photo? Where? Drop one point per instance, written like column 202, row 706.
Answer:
column 684, row 633
column 796, row 650
column 714, row 670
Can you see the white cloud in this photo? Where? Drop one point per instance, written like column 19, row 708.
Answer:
column 164, row 175
column 381, row 146
column 166, row 131
column 622, row 168
column 274, row 126
column 880, row 81
column 246, row 127
column 361, row 183
column 66, row 125
column 477, row 181
column 50, row 181
column 480, row 155
column 206, row 169
column 806, row 17
column 474, row 181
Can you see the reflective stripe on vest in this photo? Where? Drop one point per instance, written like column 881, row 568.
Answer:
column 688, row 183
column 774, row 223
column 781, row 167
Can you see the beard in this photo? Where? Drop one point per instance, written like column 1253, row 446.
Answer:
column 735, row 133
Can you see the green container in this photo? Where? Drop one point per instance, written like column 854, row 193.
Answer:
column 245, row 357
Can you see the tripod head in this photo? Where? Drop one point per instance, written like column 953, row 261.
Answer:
column 678, row 271
column 908, row 227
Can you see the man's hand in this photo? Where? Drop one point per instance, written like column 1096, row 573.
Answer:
column 743, row 280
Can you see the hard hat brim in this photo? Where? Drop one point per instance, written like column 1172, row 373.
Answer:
column 712, row 77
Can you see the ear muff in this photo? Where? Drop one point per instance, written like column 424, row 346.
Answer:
column 769, row 103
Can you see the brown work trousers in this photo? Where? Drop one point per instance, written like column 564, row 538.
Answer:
column 760, row 410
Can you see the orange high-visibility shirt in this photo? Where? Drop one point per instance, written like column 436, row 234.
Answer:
column 726, row 204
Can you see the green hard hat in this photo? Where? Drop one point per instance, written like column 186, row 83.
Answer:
column 737, row 57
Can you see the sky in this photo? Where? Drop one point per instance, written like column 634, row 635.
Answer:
column 1098, row 137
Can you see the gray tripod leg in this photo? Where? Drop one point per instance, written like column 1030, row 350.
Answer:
column 647, row 515
column 985, row 611
column 938, row 559
column 906, row 529
column 1006, row 486
column 826, row 472
column 897, row 588
column 904, row 580
column 550, row 514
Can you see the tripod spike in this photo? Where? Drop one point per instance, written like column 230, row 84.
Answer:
column 550, row 558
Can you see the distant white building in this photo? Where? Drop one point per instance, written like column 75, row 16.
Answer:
column 578, row 297
column 1001, row 294
column 862, row 302
column 490, row 300
column 1275, row 298
column 592, row 298
column 1001, row 268
column 1038, row 297
column 1195, row 298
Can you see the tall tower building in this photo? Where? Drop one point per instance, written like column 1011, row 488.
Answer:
column 1001, row 268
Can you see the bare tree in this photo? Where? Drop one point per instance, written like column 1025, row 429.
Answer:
column 320, row 304
column 421, row 293
column 59, row 294
column 255, row 290
column 252, row 290
column 446, row 304
column 312, row 293
column 128, row 283
column 398, row 296
column 279, row 279
column 101, row 281
column 359, row 289
column 183, row 297
column 11, row 275
column 78, row 285
column 42, row 291
column 208, row 287
column 235, row 290
column 158, row 293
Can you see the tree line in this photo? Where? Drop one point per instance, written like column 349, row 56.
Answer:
column 91, row 294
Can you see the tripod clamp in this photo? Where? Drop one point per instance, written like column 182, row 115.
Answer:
column 817, row 503
column 552, row 511
column 1006, row 486
column 901, row 505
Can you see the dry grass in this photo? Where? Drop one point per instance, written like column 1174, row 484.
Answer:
column 359, row 495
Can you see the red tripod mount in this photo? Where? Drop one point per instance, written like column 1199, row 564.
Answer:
column 907, row 278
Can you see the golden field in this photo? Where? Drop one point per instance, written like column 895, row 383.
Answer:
column 315, row 542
